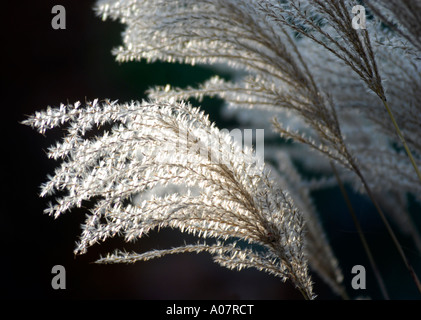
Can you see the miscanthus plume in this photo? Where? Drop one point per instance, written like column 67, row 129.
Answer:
column 230, row 195
column 302, row 71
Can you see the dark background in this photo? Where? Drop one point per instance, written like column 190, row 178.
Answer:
column 42, row 67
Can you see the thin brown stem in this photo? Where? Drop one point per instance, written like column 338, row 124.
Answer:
column 373, row 264
column 402, row 138
column 389, row 230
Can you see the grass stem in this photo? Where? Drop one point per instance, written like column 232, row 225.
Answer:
column 373, row 264
column 402, row 138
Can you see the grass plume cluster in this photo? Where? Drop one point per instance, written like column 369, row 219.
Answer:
column 350, row 96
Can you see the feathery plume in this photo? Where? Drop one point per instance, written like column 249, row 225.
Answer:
column 160, row 143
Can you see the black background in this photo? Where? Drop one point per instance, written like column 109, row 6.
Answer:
column 42, row 67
